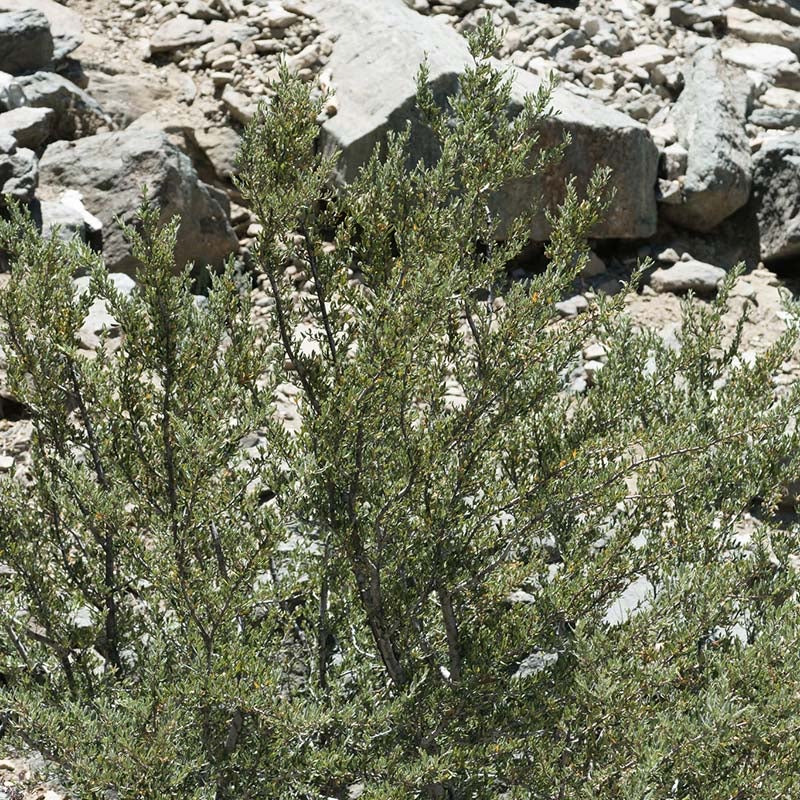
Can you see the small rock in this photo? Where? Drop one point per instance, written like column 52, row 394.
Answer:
column 775, row 118
column 572, row 306
column 684, row 276
column 239, row 106
column 180, row 32
column 760, row 56
column 30, row 127
column 19, row 174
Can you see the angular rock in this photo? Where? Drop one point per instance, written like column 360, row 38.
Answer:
column 30, row 127
column 221, row 146
column 687, row 15
column 76, row 113
column 776, row 118
column 709, row 117
column 109, row 170
column 776, row 197
column 19, row 174
column 754, row 28
column 783, row 10
column 781, row 98
column 66, row 25
column 691, row 275
column 759, row 56
column 374, row 63
column 25, row 41
column 180, row 32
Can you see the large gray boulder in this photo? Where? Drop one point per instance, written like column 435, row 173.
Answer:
column 709, row 117
column 374, row 62
column 25, row 41
column 776, row 197
column 77, row 114
column 110, row 169
column 66, row 25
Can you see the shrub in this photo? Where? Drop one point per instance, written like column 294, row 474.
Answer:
column 417, row 593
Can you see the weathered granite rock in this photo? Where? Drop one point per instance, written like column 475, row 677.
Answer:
column 19, row 174
column 755, row 28
column 759, row 56
column 374, row 63
column 776, row 197
column 776, row 118
column 110, row 169
column 25, row 41
column 709, row 117
column 66, row 25
column 688, row 275
column 76, row 112
column 30, row 127
column 783, row 10
column 180, row 32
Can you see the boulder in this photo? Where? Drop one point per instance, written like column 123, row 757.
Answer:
column 709, row 117
column 66, row 25
column 776, row 118
column 19, row 174
column 754, row 28
column 110, row 169
column 25, row 41
column 776, row 197
column 374, row 62
column 30, row 127
column 76, row 113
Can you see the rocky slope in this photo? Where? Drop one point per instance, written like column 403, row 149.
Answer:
column 694, row 105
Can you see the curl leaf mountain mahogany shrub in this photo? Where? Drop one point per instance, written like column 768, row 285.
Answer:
column 423, row 607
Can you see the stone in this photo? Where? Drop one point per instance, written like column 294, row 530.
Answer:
column 109, row 170
column 572, row 306
column 781, row 98
column 30, row 127
column 754, row 28
column 775, row 118
column 19, row 174
column 67, row 215
column 238, row 105
column 646, row 56
column 66, row 25
column 25, row 41
column 687, row 15
column 76, row 113
column 684, row 276
column 199, row 10
column 8, row 144
column 783, row 10
column 276, row 16
column 125, row 98
column 674, row 160
column 221, row 146
column 374, row 63
column 709, row 117
column 776, row 197
column 180, row 32
column 759, row 56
